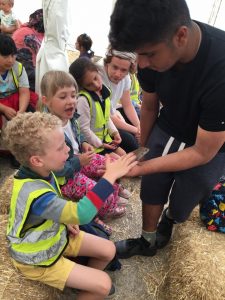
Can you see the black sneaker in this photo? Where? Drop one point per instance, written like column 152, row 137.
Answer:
column 164, row 231
column 131, row 247
column 114, row 265
column 112, row 292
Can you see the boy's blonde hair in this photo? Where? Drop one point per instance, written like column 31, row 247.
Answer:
column 52, row 81
column 26, row 134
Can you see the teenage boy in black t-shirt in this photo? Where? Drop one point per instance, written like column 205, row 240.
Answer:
column 182, row 70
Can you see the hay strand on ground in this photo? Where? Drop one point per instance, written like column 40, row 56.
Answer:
column 190, row 267
column 5, row 194
column 13, row 286
column 140, row 277
column 196, row 263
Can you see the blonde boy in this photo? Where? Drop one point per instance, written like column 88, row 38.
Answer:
column 43, row 227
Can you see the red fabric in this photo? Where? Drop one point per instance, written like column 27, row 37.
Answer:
column 95, row 199
column 13, row 102
column 28, row 38
column 33, row 99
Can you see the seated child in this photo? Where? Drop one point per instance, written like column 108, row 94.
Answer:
column 135, row 93
column 94, row 108
column 83, row 167
column 9, row 23
column 15, row 96
column 43, row 227
column 28, row 39
column 83, row 44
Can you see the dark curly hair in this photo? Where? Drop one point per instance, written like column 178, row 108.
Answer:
column 135, row 23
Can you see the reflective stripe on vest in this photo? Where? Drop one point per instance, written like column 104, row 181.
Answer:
column 42, row 244
column 99, row 119
column 17, row 73
column 61, row 180
column 134, row 89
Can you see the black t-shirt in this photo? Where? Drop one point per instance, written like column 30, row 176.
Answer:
column 194, row 95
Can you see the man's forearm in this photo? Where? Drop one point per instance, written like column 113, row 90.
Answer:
column 148, row 119
column 206, row 146
column 179, row 161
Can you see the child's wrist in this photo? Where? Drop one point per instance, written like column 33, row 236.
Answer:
column 109, row 177
column 114, row 133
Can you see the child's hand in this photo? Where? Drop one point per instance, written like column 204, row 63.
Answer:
column 117, row 139
column 87, row 147
column 101, row 170
column 73, row 229
column 110, row 146
column 120, row 167
column 3, row 28
column 9, row 112
column 85, row 158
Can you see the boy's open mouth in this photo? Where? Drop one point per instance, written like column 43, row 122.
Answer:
column 69, row 110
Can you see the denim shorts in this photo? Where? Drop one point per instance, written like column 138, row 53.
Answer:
column 184, row 189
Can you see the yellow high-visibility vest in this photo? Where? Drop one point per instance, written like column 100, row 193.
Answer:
column 99, row 119
column 134, row 89
column 16, row 73
column 41, row 244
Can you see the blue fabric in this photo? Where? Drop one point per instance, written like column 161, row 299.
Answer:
column 212, row 212
column 4, row 75
column 103, row 188
column 72, row 164
column 40, row 205
column 98, row 230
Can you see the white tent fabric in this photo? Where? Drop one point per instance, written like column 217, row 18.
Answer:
column 52, row 54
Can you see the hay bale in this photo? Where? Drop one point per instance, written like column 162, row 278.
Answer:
column 96, row 58
column 2, row 145
column 139, row 278
column 196, row 261
column 5, row 194
column 14, row 286
column 72, row 55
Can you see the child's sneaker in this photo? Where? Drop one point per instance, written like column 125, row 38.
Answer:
column 124, row 192
column 115, row 212
column 122, row 201
column 107, row 228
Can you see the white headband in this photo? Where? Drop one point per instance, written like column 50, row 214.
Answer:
column 131, row 56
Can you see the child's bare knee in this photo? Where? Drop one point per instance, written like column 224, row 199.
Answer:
column 103, row 288
column 110, row 251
